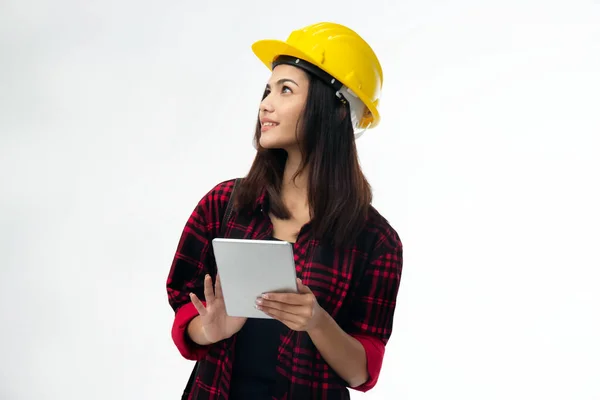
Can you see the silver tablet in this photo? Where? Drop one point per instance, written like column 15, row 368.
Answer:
column 248, row 268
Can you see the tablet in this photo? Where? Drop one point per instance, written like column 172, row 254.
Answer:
column 248, row 268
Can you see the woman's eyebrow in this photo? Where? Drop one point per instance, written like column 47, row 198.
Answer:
column 282, row 81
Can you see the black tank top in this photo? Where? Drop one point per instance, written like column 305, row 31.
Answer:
column 255, row 358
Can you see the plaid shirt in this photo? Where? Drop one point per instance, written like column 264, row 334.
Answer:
column 357, row 286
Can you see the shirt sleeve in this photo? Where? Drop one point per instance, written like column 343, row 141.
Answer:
column 193, row 260
column 374, row 304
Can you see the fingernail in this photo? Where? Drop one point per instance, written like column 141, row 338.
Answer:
column 265, row 296
column 258, row 301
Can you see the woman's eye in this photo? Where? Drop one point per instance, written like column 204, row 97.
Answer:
column 283, row 89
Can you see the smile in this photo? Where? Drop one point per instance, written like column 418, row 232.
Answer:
column 268, row 125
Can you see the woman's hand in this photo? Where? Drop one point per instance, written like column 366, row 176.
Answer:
column 298, row 311
column 216, row 324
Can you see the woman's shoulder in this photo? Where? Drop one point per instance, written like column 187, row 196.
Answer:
column 221, row 191
column 380, row 232
column 216, row 198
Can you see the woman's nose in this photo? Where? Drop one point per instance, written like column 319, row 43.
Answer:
column 266, row 105
column 266, row 108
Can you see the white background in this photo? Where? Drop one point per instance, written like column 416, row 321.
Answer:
column 117, row 116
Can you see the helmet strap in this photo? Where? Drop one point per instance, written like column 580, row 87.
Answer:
column 313, row 69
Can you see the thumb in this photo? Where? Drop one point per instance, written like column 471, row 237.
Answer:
column 301, row 287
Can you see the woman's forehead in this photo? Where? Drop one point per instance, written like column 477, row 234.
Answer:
column 285, row 71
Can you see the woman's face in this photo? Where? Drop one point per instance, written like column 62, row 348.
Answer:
column 280, row 110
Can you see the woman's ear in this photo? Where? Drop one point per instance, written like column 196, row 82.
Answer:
column 342, row 111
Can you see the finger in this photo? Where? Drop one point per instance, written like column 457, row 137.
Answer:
column 287, row 308
column 218, row 289
column 285, row 317
column 287, row 298
column 209, row 294
column 301, row 287
column 287, row 323
column 198, row 304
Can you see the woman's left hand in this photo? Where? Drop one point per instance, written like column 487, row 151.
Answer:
column 298, row 311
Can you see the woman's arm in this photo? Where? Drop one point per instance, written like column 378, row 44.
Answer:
column 342, row 352
column 301, row 312
column 189, row 268
column 355, row 350
column 373, row 304
column 195, row 332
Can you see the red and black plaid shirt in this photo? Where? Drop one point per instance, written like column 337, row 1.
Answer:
column 357, row 286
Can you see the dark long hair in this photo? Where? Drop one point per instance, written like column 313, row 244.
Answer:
column 339, row 195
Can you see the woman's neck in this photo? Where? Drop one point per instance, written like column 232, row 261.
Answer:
column 294, row 192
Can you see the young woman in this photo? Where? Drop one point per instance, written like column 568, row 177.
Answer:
column 306, row 187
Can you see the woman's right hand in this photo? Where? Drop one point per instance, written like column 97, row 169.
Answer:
column 216, row 324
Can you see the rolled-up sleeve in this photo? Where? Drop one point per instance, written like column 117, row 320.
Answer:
column 192, row 261
column 373, row 307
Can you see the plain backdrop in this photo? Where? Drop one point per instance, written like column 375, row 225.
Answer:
column 116, row 117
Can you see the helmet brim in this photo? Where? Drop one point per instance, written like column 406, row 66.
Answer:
column 268, row 50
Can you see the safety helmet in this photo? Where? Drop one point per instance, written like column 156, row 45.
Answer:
column 341, row 57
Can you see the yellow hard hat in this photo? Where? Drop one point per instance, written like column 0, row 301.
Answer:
column 341, row 53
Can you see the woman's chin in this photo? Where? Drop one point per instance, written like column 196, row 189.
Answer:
column 267, row 144
column 273, row 143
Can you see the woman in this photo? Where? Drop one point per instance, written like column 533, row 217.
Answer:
column 306, row 187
